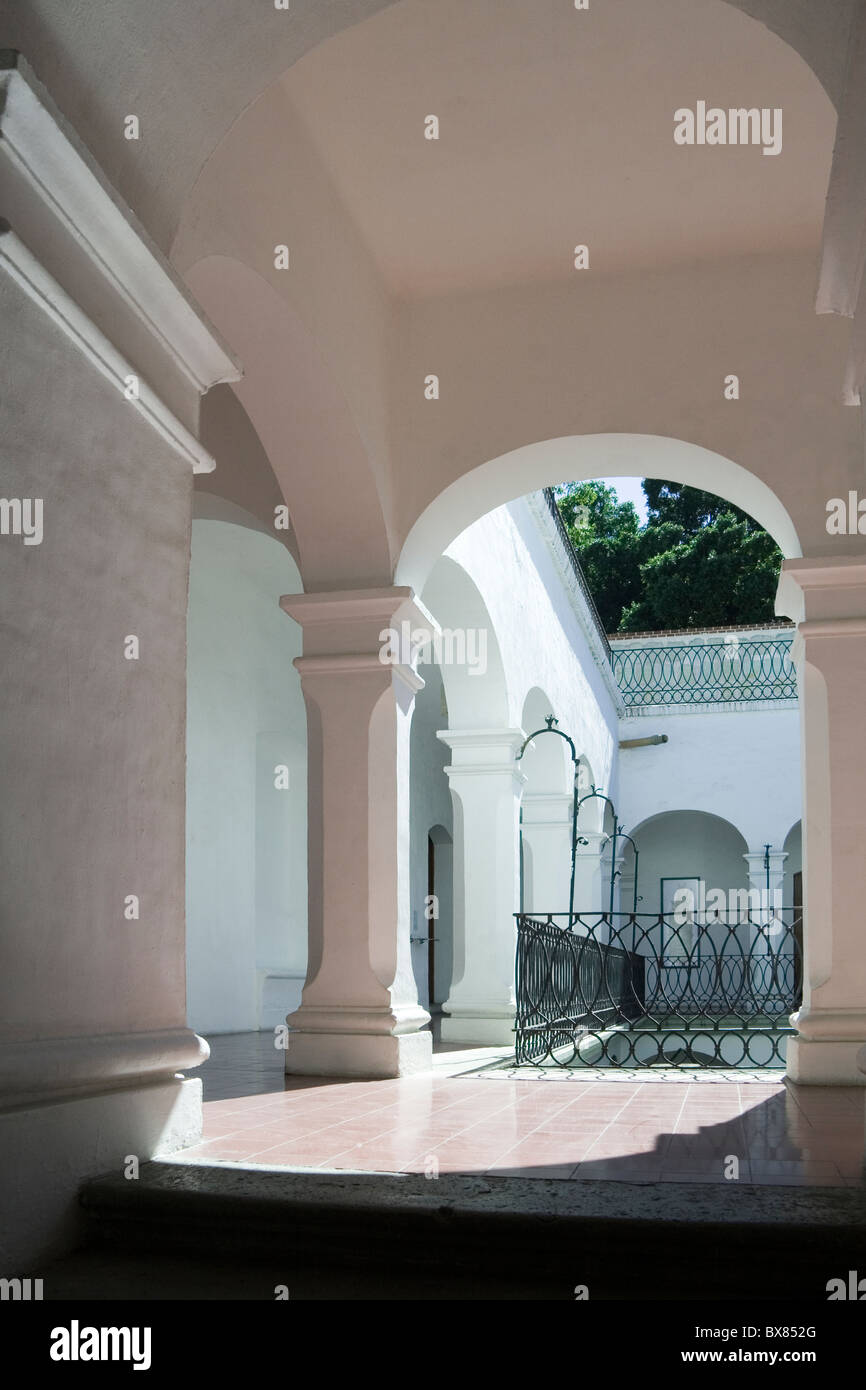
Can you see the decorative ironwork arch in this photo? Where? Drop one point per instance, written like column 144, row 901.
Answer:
column 595, row 793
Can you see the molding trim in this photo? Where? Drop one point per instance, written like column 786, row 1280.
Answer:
column 724, row 707
column 51, row 1068
column 814, row 588
column 356, row 664
column 343, row 630
column 832, row 627
column 23, row 267
column 826, row 572
column 46, row 153
column 344, row 605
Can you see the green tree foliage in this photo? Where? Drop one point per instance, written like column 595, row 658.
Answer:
column 698, row 562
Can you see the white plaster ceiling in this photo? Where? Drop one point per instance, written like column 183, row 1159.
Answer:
column 557, row 129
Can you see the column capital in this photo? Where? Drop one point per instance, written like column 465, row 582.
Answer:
column 480, row 738
column 483, row 752
column 598, row 839
column 350, row 621
column 351, row 632
column 547, row 808
column 756, row 860
column 826, row 589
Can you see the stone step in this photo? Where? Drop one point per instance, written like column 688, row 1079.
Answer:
column 621, row 1239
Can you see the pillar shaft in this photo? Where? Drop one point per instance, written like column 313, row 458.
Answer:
column 547, row 831
column 486, row 784
column 359, row 1013
column 592, row 873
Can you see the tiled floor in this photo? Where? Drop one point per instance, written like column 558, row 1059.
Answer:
column 685, row 1130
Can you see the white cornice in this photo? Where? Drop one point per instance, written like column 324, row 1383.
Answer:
column 39, row 146
column 23, row 267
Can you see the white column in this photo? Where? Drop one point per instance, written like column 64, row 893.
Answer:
column 619, row 896
column 359, row 1012
column 625, row 884
column 547, row 828
column 592, row 883
column 767, row 935
column 828, row 600
column 768, row 888
column 486, row 784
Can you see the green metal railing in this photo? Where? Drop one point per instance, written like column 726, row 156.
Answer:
column 643, row 989
column 706, row 673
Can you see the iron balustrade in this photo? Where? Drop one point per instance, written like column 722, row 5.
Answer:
column 657, row 989
column 706, row 673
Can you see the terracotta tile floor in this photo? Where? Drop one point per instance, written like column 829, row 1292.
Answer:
column 631, row 1130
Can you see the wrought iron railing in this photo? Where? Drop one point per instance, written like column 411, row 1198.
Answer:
column 699, row 673
column 644, row 989
column 550, row 498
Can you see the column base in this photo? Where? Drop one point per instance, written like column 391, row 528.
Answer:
column 826, row 1062
column 491, row 1029
column 367, row 1056
column 49, row 1151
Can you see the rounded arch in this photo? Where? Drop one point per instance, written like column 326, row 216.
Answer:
column 546, row 763
column 721, row 821
column 683, row 845
column 794, row 833
column 573, row 458
column 471, row 664
column 305, row 426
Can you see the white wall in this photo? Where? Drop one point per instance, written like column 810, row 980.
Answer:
column 514, row 558
column 740, row 764
column 509, row 575
column 246, row 840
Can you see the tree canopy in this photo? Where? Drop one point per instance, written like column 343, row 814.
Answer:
column 697, row 562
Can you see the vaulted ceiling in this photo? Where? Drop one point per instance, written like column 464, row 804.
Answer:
column 556, row 128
